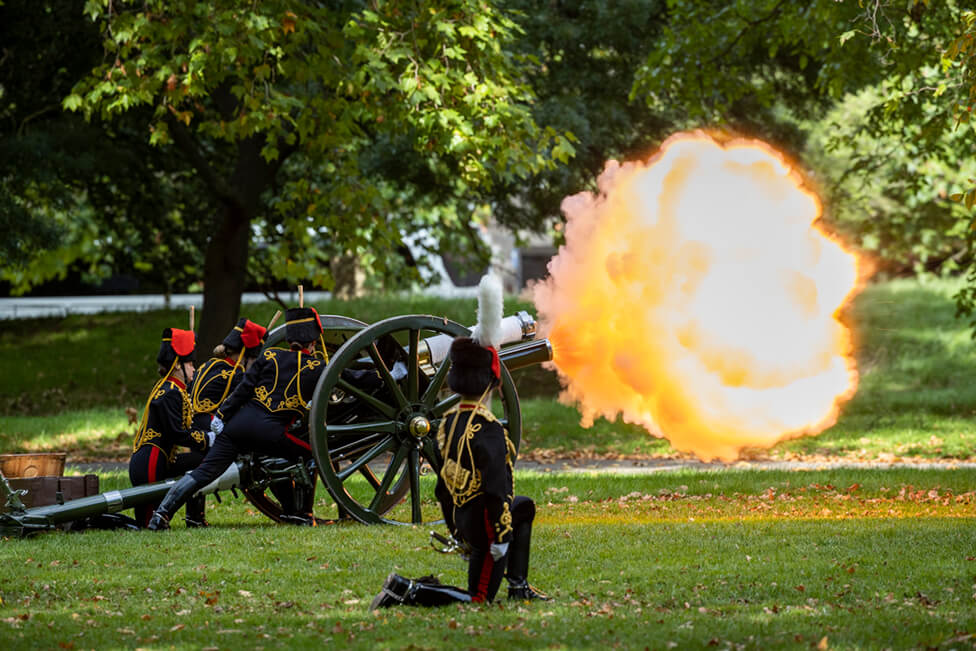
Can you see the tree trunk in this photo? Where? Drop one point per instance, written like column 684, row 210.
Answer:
column 224, row 272
column 225, row 262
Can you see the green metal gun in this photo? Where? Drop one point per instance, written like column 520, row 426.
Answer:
column 371, row 441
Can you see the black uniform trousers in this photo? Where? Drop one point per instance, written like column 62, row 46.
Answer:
column 252, row 429
column 474, row 527
column 150, row 464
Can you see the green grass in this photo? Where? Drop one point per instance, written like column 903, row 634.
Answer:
column 76, row 377
column 738, row 559
column 727, row 559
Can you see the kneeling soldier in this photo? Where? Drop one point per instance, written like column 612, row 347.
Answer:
column 475, row 487
column 220, row 375
column 166, row 424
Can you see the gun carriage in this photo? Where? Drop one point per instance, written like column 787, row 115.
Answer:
column 373, row 422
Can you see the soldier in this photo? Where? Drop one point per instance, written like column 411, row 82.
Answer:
column 259, row 413
column 166, row 424
column 475, row 487
column 221, row 374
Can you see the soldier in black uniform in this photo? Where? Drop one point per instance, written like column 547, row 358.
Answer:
column 219, row 376
column 166, row 424
column 476, row 493
column 259, row 413
column 216, row 378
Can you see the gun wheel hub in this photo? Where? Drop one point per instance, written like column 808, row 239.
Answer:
column 419, row 426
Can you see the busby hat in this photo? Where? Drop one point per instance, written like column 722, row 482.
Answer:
column 475, row 367
column 247, row 335
column 176, row 344
column 302, row 324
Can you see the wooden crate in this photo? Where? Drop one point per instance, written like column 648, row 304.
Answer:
column 42, row 491
column 41, row 464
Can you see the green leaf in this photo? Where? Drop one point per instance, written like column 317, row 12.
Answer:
column 72, row 102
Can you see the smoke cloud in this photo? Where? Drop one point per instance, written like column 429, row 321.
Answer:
column 696, row 296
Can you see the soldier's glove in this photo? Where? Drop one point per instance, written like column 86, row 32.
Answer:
column 498, row 550
column 216, row 425
column 211, row 437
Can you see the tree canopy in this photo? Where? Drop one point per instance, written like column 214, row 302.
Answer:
column 874, row 97
column 319, row 132
column 232, row 141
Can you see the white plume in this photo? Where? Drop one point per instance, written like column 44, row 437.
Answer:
column 488, row 332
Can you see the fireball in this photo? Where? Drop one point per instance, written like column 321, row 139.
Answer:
column 697, row 296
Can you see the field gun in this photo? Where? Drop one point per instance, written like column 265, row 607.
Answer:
column 372, row 425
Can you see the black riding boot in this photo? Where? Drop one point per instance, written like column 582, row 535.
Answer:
column 305, row 504
column 284, row 492
column 518, row 565
column 296, row 502
column 196, row 513
column 173, row 500
column 426, row 591
column 517, row 570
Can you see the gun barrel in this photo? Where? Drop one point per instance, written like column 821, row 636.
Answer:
column 515, row 328
column 526, row 354
column 107, row 502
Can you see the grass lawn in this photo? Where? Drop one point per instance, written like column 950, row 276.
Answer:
column 838, row 559
column 734, row 559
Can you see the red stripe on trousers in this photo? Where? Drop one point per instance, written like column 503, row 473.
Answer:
column 487, row 566
column 153, row 462
column 298, row 441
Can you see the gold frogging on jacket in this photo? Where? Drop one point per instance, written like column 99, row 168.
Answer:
column 206, row 405
column 460, row 475
column 146, row 434
column 293, row 390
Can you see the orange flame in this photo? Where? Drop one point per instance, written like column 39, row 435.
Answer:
column 696, row 297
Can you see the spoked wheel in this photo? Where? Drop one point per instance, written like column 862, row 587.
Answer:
column 375, row 414
column 336, row 330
